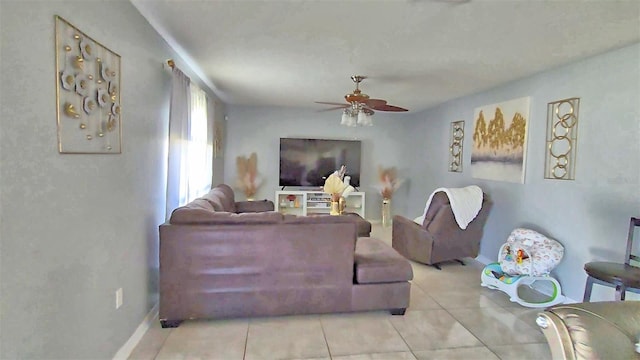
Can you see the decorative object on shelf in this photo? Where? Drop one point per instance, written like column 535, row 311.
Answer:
column 309, row 202
column 335, row 186
column 562, row 139
column 455, row 147
column 389, row 183
column 359, row 107
column 248, row 180
column 292, row 200
column 500, row 142
column 87, row 93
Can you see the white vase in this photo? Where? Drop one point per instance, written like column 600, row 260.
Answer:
column 386, row 212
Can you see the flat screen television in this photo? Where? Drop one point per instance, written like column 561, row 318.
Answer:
column 308, row 162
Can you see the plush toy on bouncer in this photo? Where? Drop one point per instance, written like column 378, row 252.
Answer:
column 525, row 261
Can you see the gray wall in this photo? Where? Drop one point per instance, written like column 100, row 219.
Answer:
column 259, row 129
column 590, row 215
column 74, row 228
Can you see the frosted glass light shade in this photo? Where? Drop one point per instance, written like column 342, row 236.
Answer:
column 345, row 119
column 368, row 121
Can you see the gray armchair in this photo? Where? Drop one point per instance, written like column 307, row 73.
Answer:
column 439, row 238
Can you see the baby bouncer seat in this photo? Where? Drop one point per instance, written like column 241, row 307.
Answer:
column 523, row 269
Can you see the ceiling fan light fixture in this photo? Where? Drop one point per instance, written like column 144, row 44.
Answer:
column 362, row 118
column 367, row 120
column 348, row 119
column 359, row 109
column 345, row 118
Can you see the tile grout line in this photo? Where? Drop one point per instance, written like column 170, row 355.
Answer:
column 162, row 345
column 402, row 337
column 246, row 341
column 459, row 322
column 324, row 335
column 474, row 335
column 497, row 305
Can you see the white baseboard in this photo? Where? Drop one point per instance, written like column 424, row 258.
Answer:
column 485, row 260
column 126, row 349
column 568, row 300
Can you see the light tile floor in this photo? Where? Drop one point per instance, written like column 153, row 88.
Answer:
column 450, row 317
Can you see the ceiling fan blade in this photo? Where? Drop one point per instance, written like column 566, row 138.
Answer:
column 331, row 103
column 375, row 102
column 358, row 100
column 334, row 108
column 390, row 108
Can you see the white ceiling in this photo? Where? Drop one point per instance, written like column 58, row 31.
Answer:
column 416, row 53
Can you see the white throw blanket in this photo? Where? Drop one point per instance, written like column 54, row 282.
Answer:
column 465, row 202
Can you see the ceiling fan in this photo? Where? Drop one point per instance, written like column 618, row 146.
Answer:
column 359, row 107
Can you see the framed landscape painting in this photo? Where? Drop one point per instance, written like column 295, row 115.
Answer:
column 500, row 141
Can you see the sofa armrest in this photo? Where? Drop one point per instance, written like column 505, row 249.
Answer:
column 601, row 330
column 411, row 240
column 254, row 206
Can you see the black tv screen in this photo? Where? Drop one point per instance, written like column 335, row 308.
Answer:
column 308, row 162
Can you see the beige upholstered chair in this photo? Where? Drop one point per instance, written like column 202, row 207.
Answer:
column 599, row 330
column 439, row 238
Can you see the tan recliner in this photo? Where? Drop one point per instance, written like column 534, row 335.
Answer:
column 439, row 238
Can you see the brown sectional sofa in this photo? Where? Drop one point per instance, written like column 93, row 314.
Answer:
column 219, row 262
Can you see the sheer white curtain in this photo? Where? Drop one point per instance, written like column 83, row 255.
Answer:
column 200, row 149
column 179, row 130
column 190, row 166
column 210, row 129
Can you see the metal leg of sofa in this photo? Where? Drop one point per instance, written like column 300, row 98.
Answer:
column 461, row 262
column 398, row 311
column 437, row 266
column 170, row 323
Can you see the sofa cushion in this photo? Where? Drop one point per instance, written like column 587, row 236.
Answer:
column 198, row 215
column 377, row 262
column 363, row 226
column 200, row 204
column 221, row 198
column 316, row 219
column 254, row 206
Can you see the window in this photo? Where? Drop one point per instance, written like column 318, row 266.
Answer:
column 197, row 169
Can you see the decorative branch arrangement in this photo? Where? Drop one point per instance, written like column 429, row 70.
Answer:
column 339, row 190
column 336, row 186
column 389, row 181
column 248, row 180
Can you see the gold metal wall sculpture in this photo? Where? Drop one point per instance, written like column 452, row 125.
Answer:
column 562, row 136
column 87, row 93
column 455, row 147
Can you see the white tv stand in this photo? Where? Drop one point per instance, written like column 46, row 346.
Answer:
column 304, row 202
